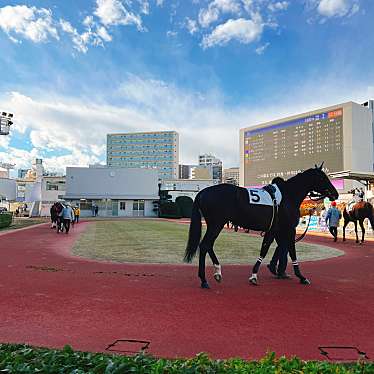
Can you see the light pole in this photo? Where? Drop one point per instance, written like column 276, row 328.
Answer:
column 6, row 120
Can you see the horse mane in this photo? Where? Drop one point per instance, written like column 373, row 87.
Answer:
column 278, row 180
column 298, row 176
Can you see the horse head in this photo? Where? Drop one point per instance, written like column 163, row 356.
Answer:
column 321, row 183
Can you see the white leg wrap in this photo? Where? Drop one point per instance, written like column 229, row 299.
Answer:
column 217, row 269
column 253, row 277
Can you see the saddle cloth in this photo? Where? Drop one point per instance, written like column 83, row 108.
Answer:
column 259, row 196
column 355, row 205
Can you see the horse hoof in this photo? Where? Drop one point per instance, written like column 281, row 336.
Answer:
column 205, row 285
column 305, row 281
column 272, row 269
column 253, row 280
column 218, row 277
column 283, row 276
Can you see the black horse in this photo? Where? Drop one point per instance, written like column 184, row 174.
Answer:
column 225, row 202
column 56, row 220
column 360, row 211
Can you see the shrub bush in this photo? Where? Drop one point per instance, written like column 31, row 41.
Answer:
column 185, row 205
column 27, row 359
column 169, row 209
column 5, row 220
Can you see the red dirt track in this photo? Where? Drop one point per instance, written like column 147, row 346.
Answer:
column 50, row 298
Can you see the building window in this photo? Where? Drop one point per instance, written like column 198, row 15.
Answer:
column 122, row 205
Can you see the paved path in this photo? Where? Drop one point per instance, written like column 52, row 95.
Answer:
column 50, row 298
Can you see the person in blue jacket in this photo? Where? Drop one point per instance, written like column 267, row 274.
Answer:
column 333, row 217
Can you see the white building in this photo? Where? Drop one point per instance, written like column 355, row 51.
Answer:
column 115, row 191
column 214, row 162
column 154, row 150
column 7, row 192
column 231, row 176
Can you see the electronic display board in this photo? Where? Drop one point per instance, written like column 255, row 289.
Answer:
column 286, row 148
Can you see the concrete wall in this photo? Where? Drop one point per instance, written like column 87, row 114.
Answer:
column 52, row 195
column 8, row 188
column 112, row 183
column 194, row 185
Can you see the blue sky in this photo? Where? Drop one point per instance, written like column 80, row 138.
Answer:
column 73, row 71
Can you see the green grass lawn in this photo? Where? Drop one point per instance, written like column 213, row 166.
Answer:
column 156, row 241
column 20, row 222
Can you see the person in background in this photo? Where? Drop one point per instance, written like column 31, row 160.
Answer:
column 333, row 217
column 322, row 219
column 96, row 210
column 67, row 217
column 77, row 213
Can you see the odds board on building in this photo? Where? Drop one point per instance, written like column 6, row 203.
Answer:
column 285, row 148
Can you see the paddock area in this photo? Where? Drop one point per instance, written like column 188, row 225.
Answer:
column 56, row 291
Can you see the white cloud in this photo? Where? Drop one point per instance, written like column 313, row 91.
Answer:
column 243, row 30
column 38, row 26
column 171, row 34
column 260, row 50
column 77, row 129
column 208, row 16
column 337, row 8
column 94, row 34
column 4, row 141
column 215, row 8
column 114, row 13
column 144, row 6
column 28, row 22
column 278, row 5
column 191, row 26
column 159, row 2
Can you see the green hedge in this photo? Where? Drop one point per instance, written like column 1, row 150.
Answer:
column 168, row 209
column 5, row 220
column 27, row 359
column 185, row 205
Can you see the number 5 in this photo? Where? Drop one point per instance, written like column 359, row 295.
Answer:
column 255, row 198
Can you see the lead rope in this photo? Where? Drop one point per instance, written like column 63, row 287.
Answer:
column 272, row 219
column 301, row 237
column 311, row 195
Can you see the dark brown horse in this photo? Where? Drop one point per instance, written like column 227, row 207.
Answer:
column 56, row 220
column 359, row 213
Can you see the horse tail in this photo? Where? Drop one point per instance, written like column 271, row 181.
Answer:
column 194, row 233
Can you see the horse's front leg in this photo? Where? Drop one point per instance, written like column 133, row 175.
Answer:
column 266, row 243
column 344, row 226
column 295, row 264
column 362, row 230
column 356, row 231
column 217, row 267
